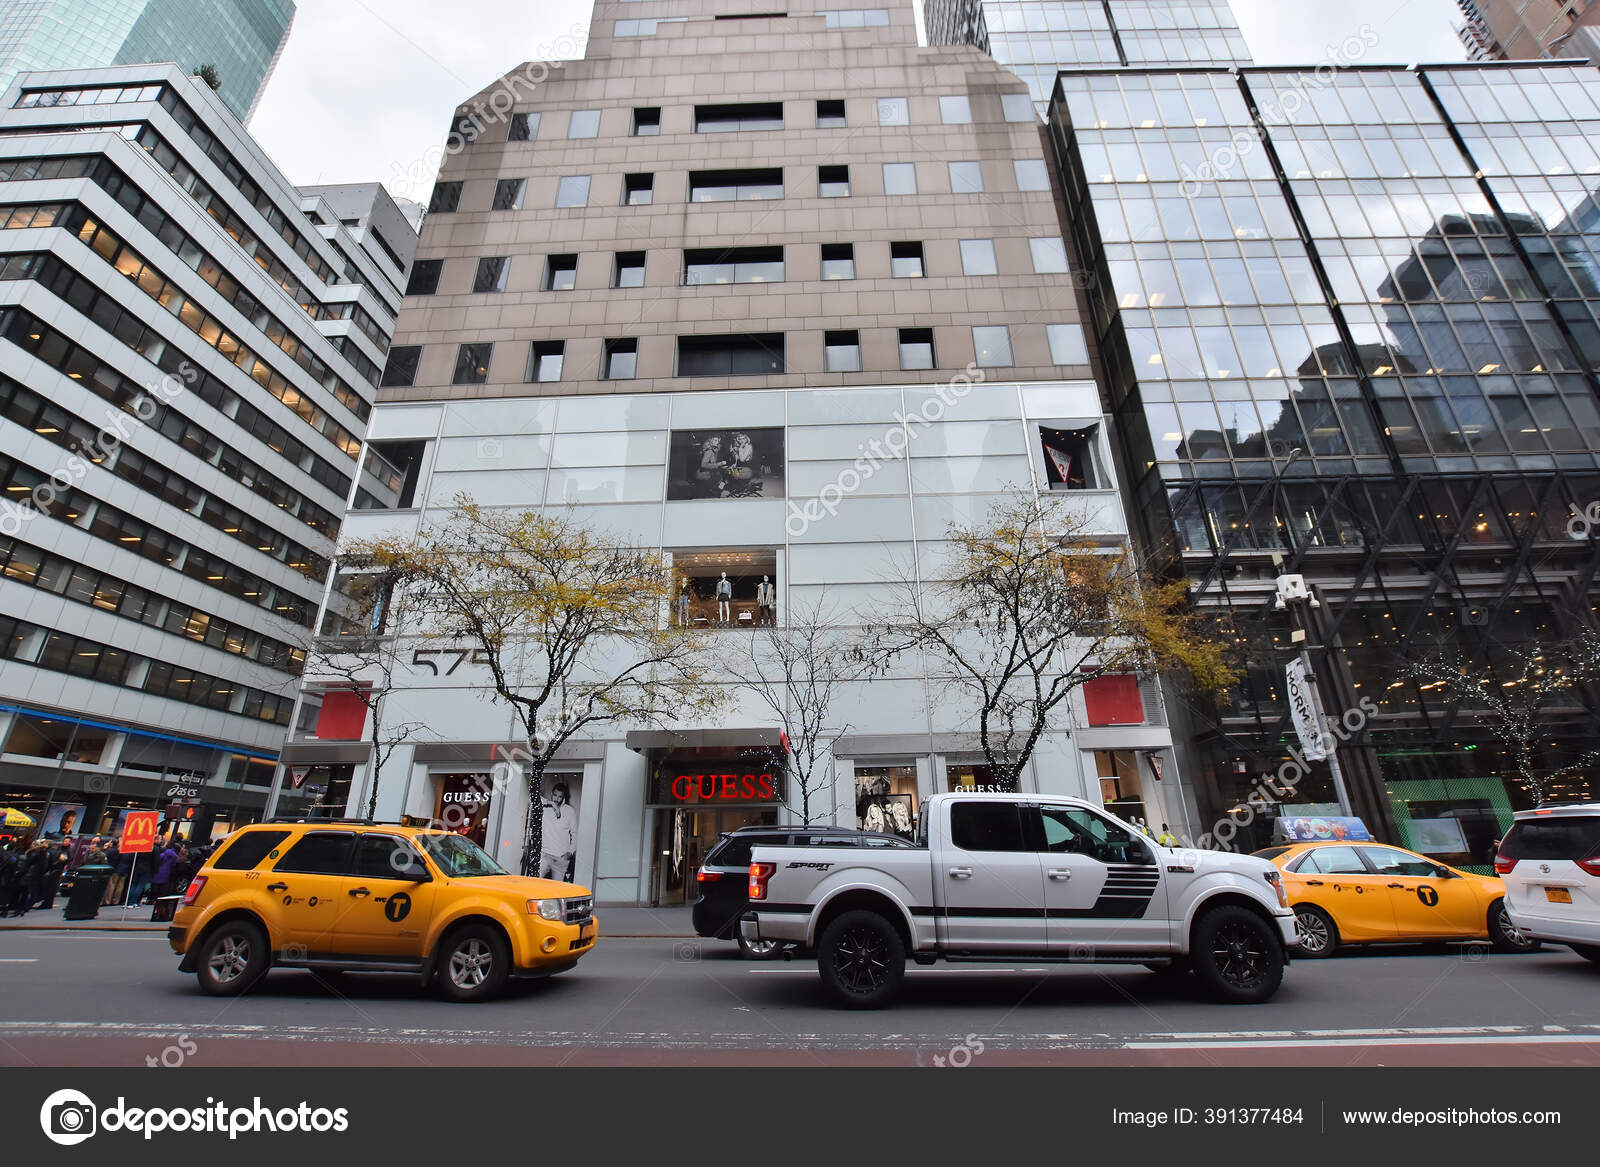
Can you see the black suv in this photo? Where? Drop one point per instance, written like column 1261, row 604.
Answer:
column 724, row 877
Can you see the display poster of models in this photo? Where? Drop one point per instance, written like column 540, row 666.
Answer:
column 559, row 850
column 62, row 820
column 726, row 464
column 880, row 811
column 464, row 801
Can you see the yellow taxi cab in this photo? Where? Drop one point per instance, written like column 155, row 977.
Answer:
column 1372, row 893
column 345, row 896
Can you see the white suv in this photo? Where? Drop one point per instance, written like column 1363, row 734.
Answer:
column 1550, row 862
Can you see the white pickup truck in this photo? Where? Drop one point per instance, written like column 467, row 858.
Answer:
column 1001, row 877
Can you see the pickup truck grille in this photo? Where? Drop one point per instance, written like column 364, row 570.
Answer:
column 578, row 910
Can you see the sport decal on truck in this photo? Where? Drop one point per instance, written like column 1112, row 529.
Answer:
column 809, row 866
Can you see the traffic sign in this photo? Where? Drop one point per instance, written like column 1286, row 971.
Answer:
column 139, row 832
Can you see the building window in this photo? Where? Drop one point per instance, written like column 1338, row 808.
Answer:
column 1067, row 344
column 855, row 17
column 966, row 178
column 524, row 127
column 398, row 465
column 573, row 191
column 508, row 194
column 621, row 359
column 400, row 369
column 424, row 279
column 724, row 186
column 740, row 463
column 544, row 360
column 749, row 115
column 838, row 261
column 916, row 348
column 492, row 271
column 886, row 800
column 472, row 364
column 993, row 345
column 830, row 115
column 446, row 198
column 638, row 190
column 905, row 261
column 628, row 270
column 1049, row 255
column 753, row 354
column 841, row 352
column 894, row 111
column 647, row 27
column 1032, row 174
column 899, row 178
column 1069, row 457
column 833, row 182
column 647, row 121
column 734, row 265
column 560, row 273
column 584, row 123
column 955, row 111
column 977, row 257
column 1017, row 107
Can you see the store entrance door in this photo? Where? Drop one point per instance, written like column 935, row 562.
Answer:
column 683, row 835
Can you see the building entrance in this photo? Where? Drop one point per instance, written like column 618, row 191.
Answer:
column 683, row 835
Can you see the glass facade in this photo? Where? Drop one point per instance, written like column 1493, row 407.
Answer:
column 1352, row 329
column 1037, row 38
column 241, row 38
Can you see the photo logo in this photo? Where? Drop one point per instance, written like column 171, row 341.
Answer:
column 68, row 1117
column 1584, row 523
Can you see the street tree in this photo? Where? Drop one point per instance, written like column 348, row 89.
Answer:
column 797, row 669
column 1029, row 606
column 569, row 623
column 1512, row 691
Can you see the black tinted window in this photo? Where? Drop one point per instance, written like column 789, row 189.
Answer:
column 319, row 853
column 386, row 857
column 735, row 851
column 1569, row 837
column 987, row 826
column 247, row 850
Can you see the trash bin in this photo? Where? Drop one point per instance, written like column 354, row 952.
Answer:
column 166, row 907
column 88, row 889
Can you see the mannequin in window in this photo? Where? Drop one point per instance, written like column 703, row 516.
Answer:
column 766, row 600
column 683, row 602
column 724, row 598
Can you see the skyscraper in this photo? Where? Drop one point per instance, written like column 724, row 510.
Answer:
column 242, row 39
column 1531, row 29
column 1036, row 38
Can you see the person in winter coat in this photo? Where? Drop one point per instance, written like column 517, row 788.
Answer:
column 9, row 861
column 165, row 867
column 30, row 878
column 57, row 860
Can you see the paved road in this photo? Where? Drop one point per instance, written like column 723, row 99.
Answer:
column 85, row 998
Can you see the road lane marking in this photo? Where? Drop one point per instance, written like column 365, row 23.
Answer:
column 19, row 960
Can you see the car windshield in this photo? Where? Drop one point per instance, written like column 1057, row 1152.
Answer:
column 459, row 857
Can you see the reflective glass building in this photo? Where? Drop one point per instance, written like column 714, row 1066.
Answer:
column 1038, row 37
column 241, row 38
column 1351, row 330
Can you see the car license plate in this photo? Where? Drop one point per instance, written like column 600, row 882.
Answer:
column 1558, row 895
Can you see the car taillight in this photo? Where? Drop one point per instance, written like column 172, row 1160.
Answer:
column 704, row 876
column 1591, row 865
column 196, row 886
column 759, row 874
column 1504, row 864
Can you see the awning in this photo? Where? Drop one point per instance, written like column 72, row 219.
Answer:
column 645, row 740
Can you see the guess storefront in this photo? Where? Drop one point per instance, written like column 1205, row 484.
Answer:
column 695, row 797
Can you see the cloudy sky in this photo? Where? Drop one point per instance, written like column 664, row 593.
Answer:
column 366, row 88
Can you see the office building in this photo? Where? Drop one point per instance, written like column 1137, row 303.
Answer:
column 188, row 354
column 1531, row 30
column 771, row 235
column 241, row 39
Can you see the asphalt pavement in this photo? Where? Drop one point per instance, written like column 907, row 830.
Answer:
column 78, row 997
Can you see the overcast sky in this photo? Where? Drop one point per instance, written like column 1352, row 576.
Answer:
column 366, row 88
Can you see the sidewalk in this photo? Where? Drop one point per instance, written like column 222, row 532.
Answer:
column 615, row 920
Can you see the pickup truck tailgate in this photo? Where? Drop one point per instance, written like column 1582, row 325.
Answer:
column 807, row 883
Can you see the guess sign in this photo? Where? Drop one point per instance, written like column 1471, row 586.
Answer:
column 732, row 785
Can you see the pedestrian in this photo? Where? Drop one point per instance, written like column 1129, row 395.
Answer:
column 165, row 866
column 1167, row 839
column 96, row 855
column 57, row 861
column 30, row 879
column 9, row 862
column 141, row 869
column 119, row 873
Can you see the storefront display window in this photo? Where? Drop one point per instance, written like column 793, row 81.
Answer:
column 974, row 778
column 886, row 800
column 462, row 804
column 1121, row 789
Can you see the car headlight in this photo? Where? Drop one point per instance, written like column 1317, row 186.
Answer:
column 546, row 909
column 1276, row 881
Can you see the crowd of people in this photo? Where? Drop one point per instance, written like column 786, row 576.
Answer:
column 31, row 873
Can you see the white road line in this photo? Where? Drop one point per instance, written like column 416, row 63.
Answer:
column 1397, row 1039
column 19, row 960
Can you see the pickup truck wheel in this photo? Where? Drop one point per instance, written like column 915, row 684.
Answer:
column 760, row 949
column 473, row 963
column 862, row 960
column 1237, row 955
column 233, row 957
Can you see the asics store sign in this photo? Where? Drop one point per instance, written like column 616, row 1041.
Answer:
column 70, row 1117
